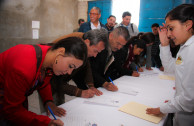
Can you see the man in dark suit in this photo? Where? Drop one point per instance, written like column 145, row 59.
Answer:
column 94, row 23
column 100, row 64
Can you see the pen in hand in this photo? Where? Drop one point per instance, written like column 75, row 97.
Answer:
column 52, row 113
column 136, row 68
column 111, row 80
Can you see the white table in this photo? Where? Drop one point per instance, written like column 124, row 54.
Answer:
column 152, row 91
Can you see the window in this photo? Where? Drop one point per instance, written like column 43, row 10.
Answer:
column 120, row 6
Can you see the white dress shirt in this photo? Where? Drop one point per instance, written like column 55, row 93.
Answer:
column 94, row 27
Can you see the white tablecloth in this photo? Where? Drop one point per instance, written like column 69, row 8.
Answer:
column 151, row 91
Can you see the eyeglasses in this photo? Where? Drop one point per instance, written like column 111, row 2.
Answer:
column 95, row 14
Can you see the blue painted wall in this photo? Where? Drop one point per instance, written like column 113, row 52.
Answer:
column 105, row 7
column 151, row 11
column 154, row 11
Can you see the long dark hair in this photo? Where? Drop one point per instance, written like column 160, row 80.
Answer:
column 182, row 13
column 140, row 43
column 148, row 37
column 74, row 46
column 136, row 41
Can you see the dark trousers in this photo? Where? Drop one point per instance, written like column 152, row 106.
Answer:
column 169, row 120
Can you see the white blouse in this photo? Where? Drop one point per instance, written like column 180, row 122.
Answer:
column 183, row 67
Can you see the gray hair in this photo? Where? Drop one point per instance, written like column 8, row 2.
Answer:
column 97, row 35
column 97, row 8
column 121, row 31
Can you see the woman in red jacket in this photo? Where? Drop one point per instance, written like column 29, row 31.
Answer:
column 25, row 68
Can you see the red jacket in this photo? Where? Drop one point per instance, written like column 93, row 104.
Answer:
column 130, row 57
column 17, row 75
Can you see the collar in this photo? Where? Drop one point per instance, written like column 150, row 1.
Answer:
column 189, row 41
column 94, row 27
column 109, row 50
column 125, row 25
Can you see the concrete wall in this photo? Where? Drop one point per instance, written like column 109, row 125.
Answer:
column 57, row 18
column 82, row 10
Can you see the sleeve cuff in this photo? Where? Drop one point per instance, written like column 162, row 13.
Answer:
column 47, row 102
column 78, row 92
column 90, row 85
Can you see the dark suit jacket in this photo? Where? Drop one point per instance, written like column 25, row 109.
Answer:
column 115, row 70
column 87, row 26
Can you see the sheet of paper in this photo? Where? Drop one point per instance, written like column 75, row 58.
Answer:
column 148, row 73
column 77, row 121
column 166, row 77
column 127, row 90
column 36, row 24
column 35, row 34
column 105, row 101
column 139, row 110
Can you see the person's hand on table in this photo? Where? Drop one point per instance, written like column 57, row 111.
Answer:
column 154, row 111
column 56, row 110
column 87, row 93
column 97, row 92
column 135, row 74
column 57, row 122
column 161, row 68
column 110, row 87
column 140, row 69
